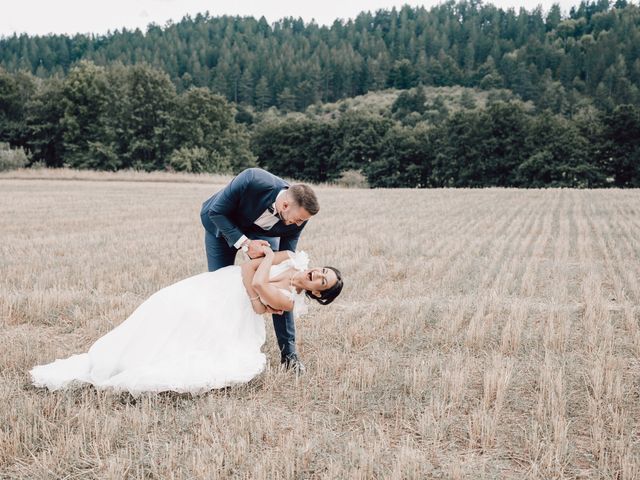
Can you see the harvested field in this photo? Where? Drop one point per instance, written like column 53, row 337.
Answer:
column 481, row 334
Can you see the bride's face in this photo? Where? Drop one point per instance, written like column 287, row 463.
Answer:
column 318, row 279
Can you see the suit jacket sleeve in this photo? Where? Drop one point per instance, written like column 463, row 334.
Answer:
column 227, row 202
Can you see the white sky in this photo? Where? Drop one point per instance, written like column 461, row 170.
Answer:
column 40, row 17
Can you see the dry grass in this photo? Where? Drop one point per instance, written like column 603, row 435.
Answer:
column 119, row 176
column 482, row 334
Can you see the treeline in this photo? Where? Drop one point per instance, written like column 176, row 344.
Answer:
column 132, row 117
column 562, row 106
column 503, row 145
column 556, row 62
column 120, row 117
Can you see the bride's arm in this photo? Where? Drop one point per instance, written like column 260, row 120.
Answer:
column 248, row 271
column 269, row 294
column 278, row 257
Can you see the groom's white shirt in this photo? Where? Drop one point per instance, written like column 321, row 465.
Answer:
column 265, row 221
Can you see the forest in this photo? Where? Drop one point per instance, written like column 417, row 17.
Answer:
column 541, row 99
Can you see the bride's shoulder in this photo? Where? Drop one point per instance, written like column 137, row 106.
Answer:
column 299, row 260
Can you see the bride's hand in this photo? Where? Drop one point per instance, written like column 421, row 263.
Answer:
column 261, row 308
column 258, row 306
column 255, row 248
column 272, row 311
column 266, row 249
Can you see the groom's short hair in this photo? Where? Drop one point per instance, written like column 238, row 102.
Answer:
column 305, row 197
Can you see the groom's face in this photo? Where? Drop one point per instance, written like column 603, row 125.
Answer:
column 292, row 213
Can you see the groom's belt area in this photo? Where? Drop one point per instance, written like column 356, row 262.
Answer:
column 279, row 229
column 275, row 231
column 233, row 228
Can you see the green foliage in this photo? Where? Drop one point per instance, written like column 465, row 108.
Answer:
column 203, row 119
column 436, row 111
column 198, row 160
column 409, row 101
column 403, row 74
column 44, row 131
column 504, row 144
column 234, row 148
column 132, row 117
column 15, row 90
column 124, row 117
column 86, row 128
column 297, row 148
column 559, row 156
column 486, row 97
column 11, row 159
column 292, row 65
column 405, row 160
column 200, row 119
column 467, row 100
column 480, row 148
column 144, row 107
column 357, row 139
column 619, row 155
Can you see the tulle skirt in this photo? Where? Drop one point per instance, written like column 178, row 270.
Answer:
column 193, row 336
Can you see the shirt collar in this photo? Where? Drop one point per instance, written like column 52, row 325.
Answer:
column 273, row 207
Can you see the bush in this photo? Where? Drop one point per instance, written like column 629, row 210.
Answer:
column 198, row 160
column 352, row 179
column 12, row 159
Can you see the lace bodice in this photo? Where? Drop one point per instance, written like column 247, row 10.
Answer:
column 299, row 261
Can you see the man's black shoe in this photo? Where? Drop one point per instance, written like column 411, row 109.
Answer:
column 292, row 362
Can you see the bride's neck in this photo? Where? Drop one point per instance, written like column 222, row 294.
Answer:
column 290, row 278
column 295, row 280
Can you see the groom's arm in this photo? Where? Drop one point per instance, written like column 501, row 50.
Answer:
column 228, row 201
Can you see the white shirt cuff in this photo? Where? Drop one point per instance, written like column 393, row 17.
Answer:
column 240, row 241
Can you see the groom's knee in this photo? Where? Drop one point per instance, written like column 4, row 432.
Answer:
column 219, row 254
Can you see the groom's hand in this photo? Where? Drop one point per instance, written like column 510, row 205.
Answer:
column 255, row 248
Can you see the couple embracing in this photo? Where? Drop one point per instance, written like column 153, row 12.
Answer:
column 206, row 331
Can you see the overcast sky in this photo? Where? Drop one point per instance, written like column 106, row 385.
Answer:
column 39, row 17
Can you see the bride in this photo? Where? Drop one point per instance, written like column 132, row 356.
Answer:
column 201, row 333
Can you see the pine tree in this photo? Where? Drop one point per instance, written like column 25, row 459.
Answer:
column 263, row 94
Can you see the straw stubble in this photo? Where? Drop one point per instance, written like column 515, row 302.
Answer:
column 481, row 334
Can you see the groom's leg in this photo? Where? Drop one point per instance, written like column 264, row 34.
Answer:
column 283, row 324
column 219, row 254
column 285, row 333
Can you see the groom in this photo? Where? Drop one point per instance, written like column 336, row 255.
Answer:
column 256, row 209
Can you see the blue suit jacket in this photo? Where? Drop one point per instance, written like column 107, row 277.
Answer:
column 230, row 213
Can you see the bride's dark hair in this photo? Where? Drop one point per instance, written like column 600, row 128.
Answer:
column 329, row 295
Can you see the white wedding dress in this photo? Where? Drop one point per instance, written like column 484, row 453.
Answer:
column 193, row 336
